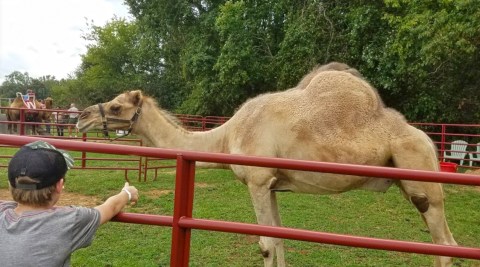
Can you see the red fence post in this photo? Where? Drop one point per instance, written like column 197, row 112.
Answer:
column 22, row 122
column 84, row 154
column 442, row 142
column 145, row 169
column 184, row 188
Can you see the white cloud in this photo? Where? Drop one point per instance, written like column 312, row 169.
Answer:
column 45, row 37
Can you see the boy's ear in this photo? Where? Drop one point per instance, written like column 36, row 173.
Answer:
column 59, row 185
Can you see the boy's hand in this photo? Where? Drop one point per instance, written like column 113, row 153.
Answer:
column 133, row 192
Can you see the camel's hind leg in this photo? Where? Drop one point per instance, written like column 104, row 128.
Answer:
column 428, row 199
column 418, row 152
column 9, row 125
column 266, row 209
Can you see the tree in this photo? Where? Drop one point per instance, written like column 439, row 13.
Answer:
column 435, row 47
column 207, row 57
column 109, row 66
column 15, row 82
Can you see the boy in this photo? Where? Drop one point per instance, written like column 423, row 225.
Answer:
column 33, row 231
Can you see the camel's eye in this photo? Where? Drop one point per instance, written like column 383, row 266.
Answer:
column 115, row 109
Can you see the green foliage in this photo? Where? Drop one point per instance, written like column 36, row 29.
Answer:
column 435, row 48
column 109, row 67
column 66, row 92
column 15, row 82
column 21, row 82
column 208, row 57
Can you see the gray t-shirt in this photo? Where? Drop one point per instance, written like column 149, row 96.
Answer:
column 44, row 238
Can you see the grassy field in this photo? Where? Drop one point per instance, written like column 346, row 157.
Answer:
column 219, row 196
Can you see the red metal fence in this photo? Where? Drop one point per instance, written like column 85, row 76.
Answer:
column 182, row 221
column 443, row 136
column 200, row 123
column 141, row 165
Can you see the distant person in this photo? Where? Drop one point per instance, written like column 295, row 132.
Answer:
column 35, row 232
column 58, row 118
column 73, row 118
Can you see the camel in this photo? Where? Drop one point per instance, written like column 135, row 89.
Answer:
column 45, row 115
column 34, row 114
column 333, row 115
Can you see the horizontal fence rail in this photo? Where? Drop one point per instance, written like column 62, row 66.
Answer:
column 182, row 221
column 58, row 129
column 443, row 134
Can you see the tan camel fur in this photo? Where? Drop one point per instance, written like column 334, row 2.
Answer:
column 331, row 116
column 46, row 115
column 36, row 116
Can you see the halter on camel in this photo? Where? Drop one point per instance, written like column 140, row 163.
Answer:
column 106, row 119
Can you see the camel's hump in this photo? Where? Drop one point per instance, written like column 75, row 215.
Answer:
column 347, row 90
column 330, row 100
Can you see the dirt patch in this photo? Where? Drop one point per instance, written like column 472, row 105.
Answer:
column 92, row 201
column 473, row 172
column 66, row 199
column 203, row 185
column 5, row 194
column 156, row 193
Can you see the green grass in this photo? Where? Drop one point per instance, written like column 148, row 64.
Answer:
column 218, row 195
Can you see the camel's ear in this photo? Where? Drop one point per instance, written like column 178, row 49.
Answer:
column 136, row 96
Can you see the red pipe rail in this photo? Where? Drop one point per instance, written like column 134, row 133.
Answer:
column 83, row 159
column 441, row 133
column 182, row 221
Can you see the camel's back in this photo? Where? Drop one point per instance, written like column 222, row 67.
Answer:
column 335, row 108
column 332, row 99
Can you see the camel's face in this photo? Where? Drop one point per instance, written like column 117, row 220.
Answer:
column 118, row 113
column 48, row 102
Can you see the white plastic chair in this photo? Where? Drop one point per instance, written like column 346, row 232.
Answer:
column 458, row 151
column 121, row 133
column 475, row 156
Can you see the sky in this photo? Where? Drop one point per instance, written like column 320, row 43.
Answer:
column 44, row 37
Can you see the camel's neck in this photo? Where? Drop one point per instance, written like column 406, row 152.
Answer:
column 157, row 129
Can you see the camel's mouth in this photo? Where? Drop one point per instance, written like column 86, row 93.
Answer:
column 86, row 123
column 84, row 126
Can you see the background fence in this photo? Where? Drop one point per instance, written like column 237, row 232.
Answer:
column 443, row 135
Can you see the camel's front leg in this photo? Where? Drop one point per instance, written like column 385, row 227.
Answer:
column 266, row 209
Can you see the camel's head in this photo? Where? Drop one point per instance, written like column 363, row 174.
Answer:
column 118, row 114
column 48, row 102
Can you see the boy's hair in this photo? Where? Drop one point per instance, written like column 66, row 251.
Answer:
column 34, row 171
column 40, row 161
column 36, row 198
